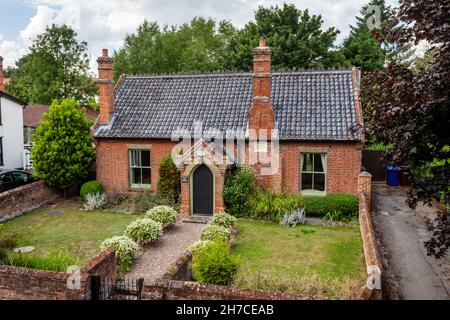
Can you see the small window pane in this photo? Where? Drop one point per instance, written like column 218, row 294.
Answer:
column 134, row 158
column 319, row 181
column 307, row 181
column 145, row 158
column 136, row 176
column 318, row 166
column 307, row 162
column 146, row 176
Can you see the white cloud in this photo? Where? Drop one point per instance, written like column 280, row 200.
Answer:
column 11, row 51
column 104, row 23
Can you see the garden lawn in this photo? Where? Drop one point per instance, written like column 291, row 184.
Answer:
column 66, row 228
column 326, row 261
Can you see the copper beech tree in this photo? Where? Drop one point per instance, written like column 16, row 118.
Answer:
column 409, row 110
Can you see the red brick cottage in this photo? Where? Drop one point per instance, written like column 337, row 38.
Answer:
column 299, row 129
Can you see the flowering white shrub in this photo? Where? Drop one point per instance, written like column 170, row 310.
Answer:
column 94, row 201
column 215, row 233
column 144, row 230
column 292, row 218
column 124, row 247
column 223, row 219
column 162, row 214
column 196, row 247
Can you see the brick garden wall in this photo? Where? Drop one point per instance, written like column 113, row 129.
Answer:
column 26, row 198
column 372, row 289
column 28, row 284
column 186, row 290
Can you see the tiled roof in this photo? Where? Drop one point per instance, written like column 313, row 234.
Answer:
column 309, row 105
column 32, row 114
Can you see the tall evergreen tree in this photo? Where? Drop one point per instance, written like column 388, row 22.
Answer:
column 62, row 150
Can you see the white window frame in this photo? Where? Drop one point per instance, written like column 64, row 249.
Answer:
column 130, row 167
column 312, row 192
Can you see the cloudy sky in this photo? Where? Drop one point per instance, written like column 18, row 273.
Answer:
column 103, row 23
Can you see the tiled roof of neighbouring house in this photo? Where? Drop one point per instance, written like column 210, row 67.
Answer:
column 309, row 105
column 33, row 114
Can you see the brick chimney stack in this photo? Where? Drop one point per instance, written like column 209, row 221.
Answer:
column 2, row 85
column 261, row 114
column 106, row 87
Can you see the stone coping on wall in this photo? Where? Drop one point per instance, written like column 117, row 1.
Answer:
column 164, row 289
column 372, row 288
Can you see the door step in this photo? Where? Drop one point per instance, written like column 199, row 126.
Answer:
column 197, row 219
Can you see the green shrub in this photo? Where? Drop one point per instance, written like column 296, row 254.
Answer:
column 145, row 201
column 273, row 207
column 223, row 219
column 91, row 187
column 124, row 248
column 293, row 218
column 163, row 214
column 199, row 245
column 54, row 261
column 144, row 230
column 215, row 233
column 319, row 206
column 94, row 201
column 169, row 178
column 8, row 242
column 213, row 264
column 338, row 216
column 239, row 190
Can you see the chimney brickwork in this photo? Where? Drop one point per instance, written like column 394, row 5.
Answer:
column 106, row 87
column 261, row 114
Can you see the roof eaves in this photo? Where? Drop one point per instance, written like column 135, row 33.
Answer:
column 10, row 97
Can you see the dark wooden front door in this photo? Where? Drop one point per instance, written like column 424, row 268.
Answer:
column 203, row 190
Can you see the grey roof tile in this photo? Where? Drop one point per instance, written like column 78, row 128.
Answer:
column 309, row 105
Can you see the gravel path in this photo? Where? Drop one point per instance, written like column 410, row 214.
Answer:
column 409, row 272
column 158, row 257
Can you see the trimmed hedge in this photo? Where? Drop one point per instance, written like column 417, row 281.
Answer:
column 214, row 264
column 92, row 187
column 319, row 206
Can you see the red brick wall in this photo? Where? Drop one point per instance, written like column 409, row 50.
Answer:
column 26, row 198
column 185, row 290
column 343, row 165
column 113, row 166
column 28, row 284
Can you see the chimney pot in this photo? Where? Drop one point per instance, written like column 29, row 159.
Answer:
column 104, row 52
column 262, row 42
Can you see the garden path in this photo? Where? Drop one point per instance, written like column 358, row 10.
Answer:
column 160, row 255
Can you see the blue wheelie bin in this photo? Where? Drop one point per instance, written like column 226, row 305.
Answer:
column 392, row 176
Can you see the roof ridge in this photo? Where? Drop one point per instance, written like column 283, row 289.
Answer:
column 190, row 74
column 235, row 73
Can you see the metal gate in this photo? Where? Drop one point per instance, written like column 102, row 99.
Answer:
column 112, row 289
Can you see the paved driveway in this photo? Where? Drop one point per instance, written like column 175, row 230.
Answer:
column 410, row 273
